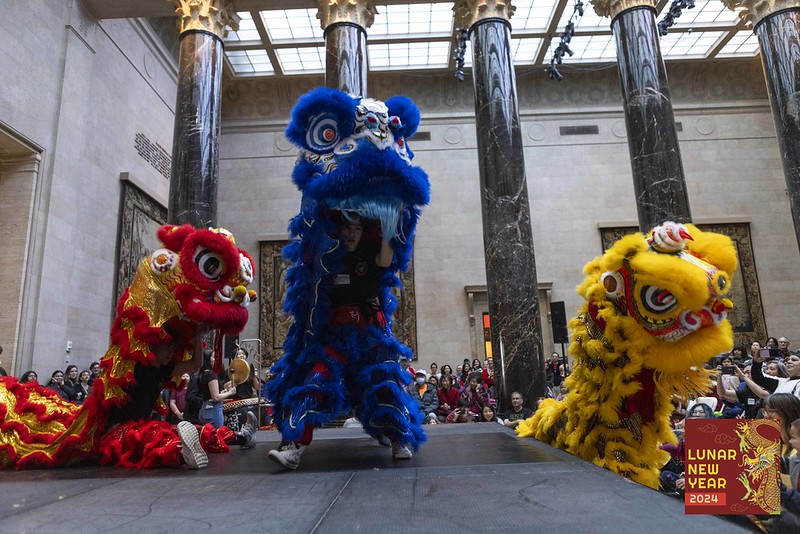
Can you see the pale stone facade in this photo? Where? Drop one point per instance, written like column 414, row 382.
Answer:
column 75, row 92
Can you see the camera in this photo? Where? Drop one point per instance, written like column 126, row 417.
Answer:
column 728, row 370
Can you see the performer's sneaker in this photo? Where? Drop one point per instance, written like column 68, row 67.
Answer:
column 248, row 432
column 400, row 452
column 288, row 455
column 193, row 454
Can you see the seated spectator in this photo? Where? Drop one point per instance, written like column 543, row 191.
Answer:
column 488, row 415
column 779, row 385
column 29, row 377
column 487, row 373
column 517, row 413
column 461, row 414
column 475, row 393
column 56, row 383
column 448, row 397
column 426, row 396
column 435, row 370
column 177, row 401
column 728, row 381
column 406, row 364
column 446, row 370
column 433, row 381
column 748, row 394
column 476, row 365
column 562, row 392
column 783, row 346
column 463, row 380
column 790, row 493
column 672, row 474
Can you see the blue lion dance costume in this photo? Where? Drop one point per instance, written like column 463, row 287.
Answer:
column 353, row 162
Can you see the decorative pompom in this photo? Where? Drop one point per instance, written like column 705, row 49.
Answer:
column 330, row 111
column 404, row 107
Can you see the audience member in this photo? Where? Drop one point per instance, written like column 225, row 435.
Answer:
column 177, row 401
column 672, row 474
column 461, row 414
column 476, row 365
column 432, row 380
column 2, row 369
column 775, row 384
column 475, row 393
column 70, row 385
column 463, row 379
column 56, row 383
column 783, row 346
column 211, row 410
column 446, row 370
column 435, row 371
column 784, row 408
column 83, row 385
column 406, row 364
column 790, row 493
column 94, row 369
column 488, row 415
column 426, row 396
column 553, row 374
column 29, row 377
column 517, row 413
column 488, row 377
column 747, row 393
column 448, row 397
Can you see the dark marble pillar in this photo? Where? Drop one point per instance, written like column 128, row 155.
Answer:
column 658, row 178
column 346, row 58
column 195, row 149
column 779, row 40
column 508, row 240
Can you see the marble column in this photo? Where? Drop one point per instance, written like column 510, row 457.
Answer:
column 344, row 23
column 777, row 25
column 516, row 327
column 658, row 178
column 195, row 146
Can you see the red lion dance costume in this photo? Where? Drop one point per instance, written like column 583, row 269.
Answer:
column 199, row 277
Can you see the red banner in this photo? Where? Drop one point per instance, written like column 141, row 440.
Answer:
column 732, row 466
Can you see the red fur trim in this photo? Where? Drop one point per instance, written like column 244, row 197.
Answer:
column 214, row 440
column 173, row 236
column 141, row 445
column 230, row 318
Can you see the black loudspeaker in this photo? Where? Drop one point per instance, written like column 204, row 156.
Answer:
column 559, row 316
column 229, row 346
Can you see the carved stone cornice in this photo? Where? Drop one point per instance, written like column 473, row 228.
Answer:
column 612, row 8
column 468, row 12
column 214, row 16
column 360, row 12
column 753, row 11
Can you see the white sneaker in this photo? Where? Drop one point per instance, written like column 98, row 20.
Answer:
column 288, row 455
column 248, row 431
column 400, row 452
column 193, row 454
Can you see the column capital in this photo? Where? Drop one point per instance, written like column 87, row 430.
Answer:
column 612, row 8
column 214, row 16
column 753, row 11
column 359, row 12
column 468, row 12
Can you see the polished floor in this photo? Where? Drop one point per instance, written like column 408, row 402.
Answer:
column 467, row 478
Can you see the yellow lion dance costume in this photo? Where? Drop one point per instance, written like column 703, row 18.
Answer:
column 655, row 311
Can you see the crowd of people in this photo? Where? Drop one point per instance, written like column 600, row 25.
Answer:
column 468, row 395
column 762, row 382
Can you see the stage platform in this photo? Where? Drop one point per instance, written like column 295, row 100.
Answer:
column 467, row 478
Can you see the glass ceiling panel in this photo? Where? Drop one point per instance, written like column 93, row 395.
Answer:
column 292, row 24
column 532, row 14
column 525, row 50
column 680, row 44
column 250, row 62
column 247, row 29
column 419, row 55
column 586, row 48
column 706, row 12
column 407, row 19
column 589, row 20
column 744, row 43
column 301, row 60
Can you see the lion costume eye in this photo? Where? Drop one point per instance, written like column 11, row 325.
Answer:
column 323, row 133
column 209, row 264
column 657, row 300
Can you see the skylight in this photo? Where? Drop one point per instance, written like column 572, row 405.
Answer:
column 421, row 35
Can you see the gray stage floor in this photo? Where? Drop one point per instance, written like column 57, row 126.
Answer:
column 467, row 478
